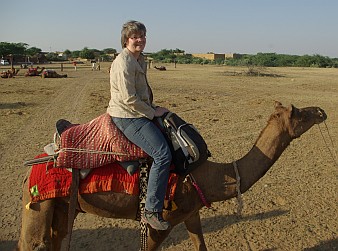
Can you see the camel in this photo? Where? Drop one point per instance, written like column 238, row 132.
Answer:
column 44, row 225
column 32, row 72
column 52, row 74
column 11, row 73
column 161, row 68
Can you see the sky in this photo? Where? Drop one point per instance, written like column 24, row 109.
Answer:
column 294, row 27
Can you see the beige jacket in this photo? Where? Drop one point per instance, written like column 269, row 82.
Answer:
column 131, row 96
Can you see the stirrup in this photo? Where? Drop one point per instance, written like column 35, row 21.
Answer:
column 130, row 166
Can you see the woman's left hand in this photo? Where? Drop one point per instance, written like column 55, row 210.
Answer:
column 159, row 111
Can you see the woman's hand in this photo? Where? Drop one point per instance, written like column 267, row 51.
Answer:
column 159, row 111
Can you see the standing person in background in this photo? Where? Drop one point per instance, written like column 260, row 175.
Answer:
column 132, row 110
column 74, row 64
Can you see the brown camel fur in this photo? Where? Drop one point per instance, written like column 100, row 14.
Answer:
column 44, row 225
column 52, row 74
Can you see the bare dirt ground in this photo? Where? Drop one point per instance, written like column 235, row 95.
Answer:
column 293, row 207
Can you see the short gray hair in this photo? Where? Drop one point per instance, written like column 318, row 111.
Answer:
column 130, row 28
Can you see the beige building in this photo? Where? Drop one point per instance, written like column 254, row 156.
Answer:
column 209, row 56
column 214, row 56
column 233, row 55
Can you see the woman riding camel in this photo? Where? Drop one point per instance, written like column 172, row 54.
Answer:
column 132, row 110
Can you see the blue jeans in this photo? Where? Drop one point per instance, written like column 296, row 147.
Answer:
column 146, row 135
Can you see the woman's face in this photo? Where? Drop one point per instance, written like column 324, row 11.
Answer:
column 136, row 43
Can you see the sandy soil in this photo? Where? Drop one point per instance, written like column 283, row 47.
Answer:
column 293, row 207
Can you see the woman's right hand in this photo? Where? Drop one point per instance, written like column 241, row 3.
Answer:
column 159, row 111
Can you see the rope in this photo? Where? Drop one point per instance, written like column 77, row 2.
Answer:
column 238, row 189
column 57, row 142
column 79, row 150
column 334, row 154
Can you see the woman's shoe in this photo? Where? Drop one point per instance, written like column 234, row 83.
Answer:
column 155, row 220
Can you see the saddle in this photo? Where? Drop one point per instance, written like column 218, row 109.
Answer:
column 92, row 145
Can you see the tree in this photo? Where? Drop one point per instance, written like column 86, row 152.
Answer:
column 32, row 51
column 109, row 51
column 68, row 53
column 52, row 56
column 87, row 53
column 75, row 54
column 321, row 61
column 178, row 51
column 12, row 48
column 265, row 59
column 304, row 61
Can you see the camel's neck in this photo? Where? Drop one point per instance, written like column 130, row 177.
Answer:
column 267, row 149
column 220, row 181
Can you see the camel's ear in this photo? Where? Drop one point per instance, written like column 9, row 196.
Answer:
column 278, row 104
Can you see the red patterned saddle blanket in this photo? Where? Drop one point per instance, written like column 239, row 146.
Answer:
column 47, row 182
column 95, row 144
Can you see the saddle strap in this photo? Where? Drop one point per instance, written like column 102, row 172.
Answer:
column 72, row 205
column 142, row 198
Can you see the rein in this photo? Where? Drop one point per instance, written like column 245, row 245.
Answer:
column 238, row 189
column 199, row 191
column 332, row 153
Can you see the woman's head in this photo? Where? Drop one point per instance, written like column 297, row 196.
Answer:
column 130, row 29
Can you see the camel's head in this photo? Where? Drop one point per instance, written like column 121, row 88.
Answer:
column 297, row 121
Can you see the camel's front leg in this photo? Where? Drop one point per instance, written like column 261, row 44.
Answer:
column 36, row 225
column 155, row 238
column 194, row 227
column 59, row 224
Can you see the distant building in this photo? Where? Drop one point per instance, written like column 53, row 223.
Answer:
column 214, row 56
column 233, row 55
column 62, row 55
column 209, row 56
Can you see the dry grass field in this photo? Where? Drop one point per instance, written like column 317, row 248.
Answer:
column 293, row 207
